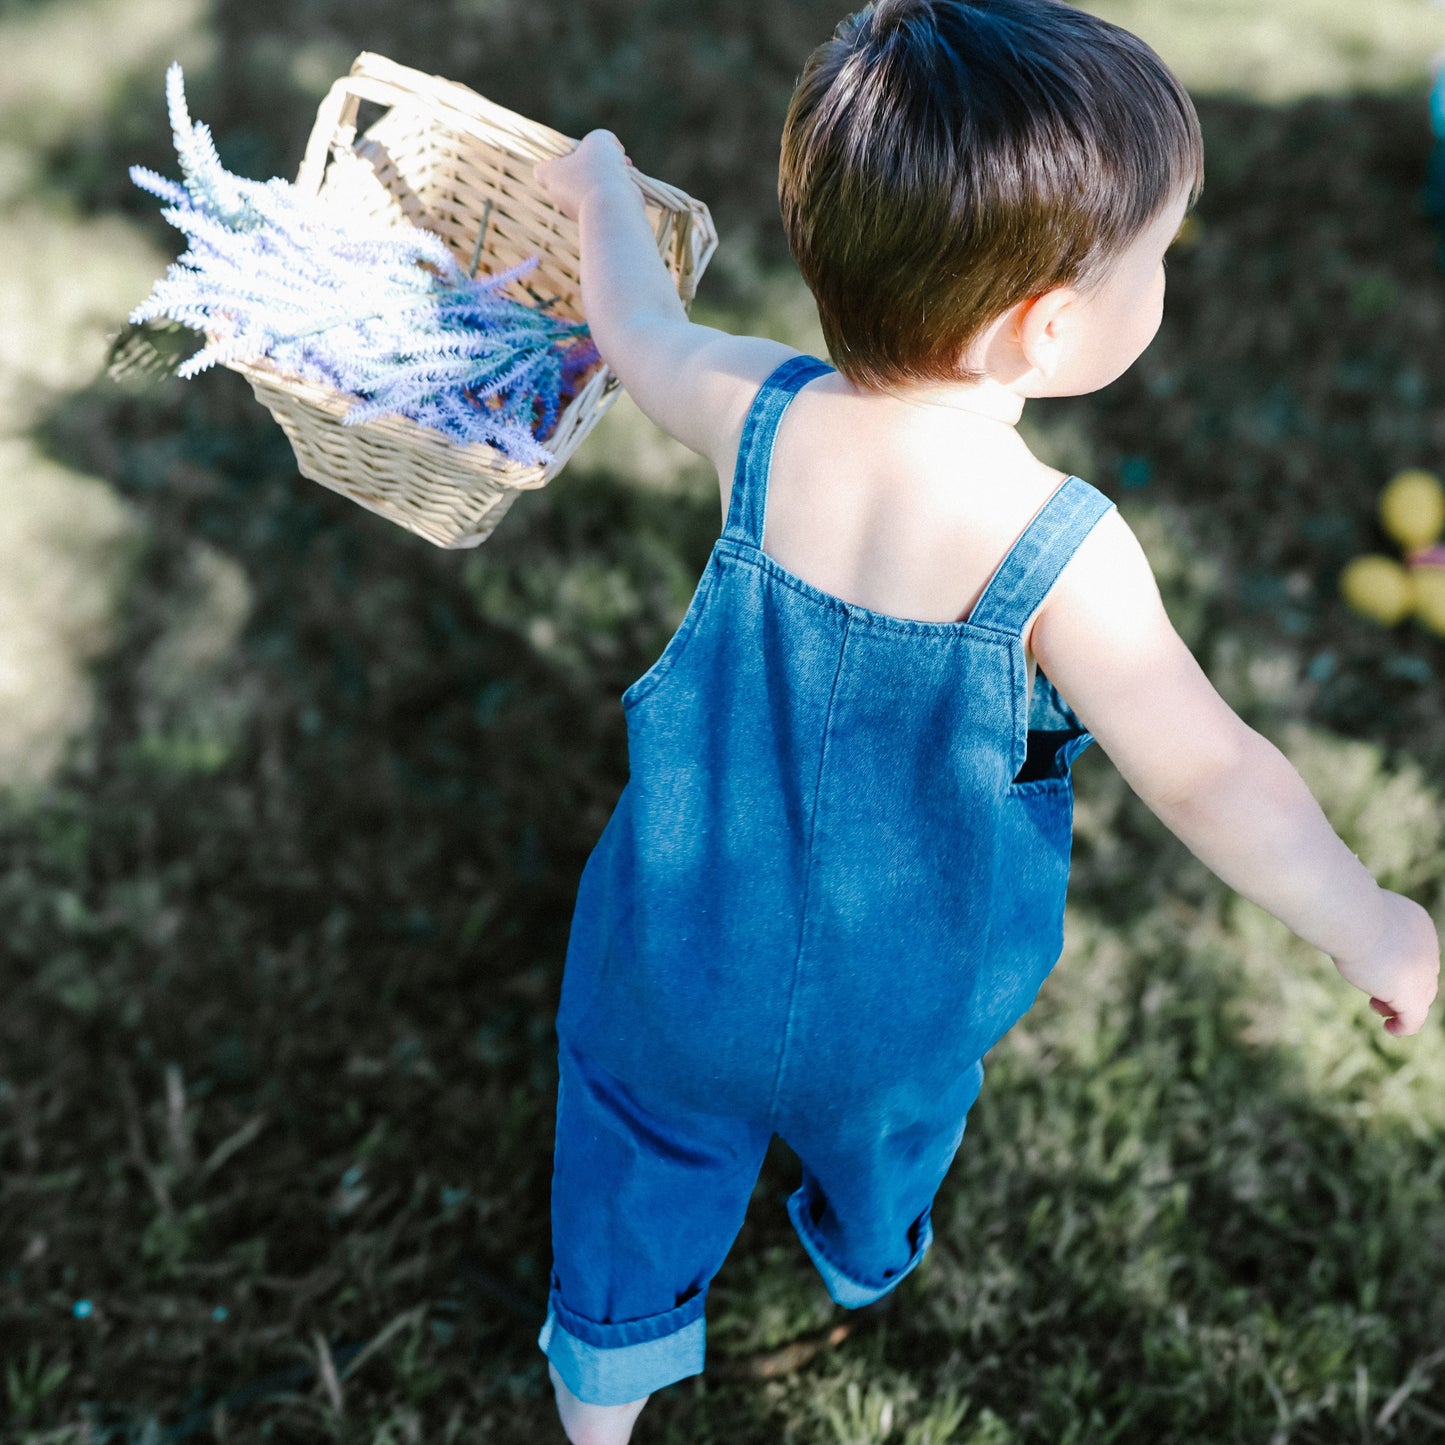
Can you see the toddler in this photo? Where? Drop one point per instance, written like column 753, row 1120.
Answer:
column 836, row 875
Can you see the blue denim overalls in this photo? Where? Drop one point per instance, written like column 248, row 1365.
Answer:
column 834, row 879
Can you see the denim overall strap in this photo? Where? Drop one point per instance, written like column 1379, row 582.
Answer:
column 749, row 499
column 1033, row 564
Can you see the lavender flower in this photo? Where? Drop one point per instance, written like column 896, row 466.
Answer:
column 378, row 310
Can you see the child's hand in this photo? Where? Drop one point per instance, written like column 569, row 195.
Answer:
column 1401, row 972
column 598, row 160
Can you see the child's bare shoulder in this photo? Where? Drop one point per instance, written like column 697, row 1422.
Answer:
column 1104, row 639
column 1105, row 600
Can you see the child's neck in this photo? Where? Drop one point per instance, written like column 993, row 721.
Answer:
column 988, row 399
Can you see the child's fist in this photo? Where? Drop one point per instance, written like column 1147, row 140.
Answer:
column 1401, row 972
column 599, row 159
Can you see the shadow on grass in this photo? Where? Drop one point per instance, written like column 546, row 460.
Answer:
column 312, row 901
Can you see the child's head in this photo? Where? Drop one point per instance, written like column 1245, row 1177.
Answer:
column 945, row 160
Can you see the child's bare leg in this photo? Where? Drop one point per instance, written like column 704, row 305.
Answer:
column 594, row 1424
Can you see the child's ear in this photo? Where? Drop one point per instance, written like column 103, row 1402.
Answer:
column 1043, row 327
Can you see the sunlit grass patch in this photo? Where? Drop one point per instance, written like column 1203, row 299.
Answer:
column 65, row 289
column 1154, row 1183
column 1287, row 48
column 64, row 60
column 1297, row 1004
column 66, row 543
column 852, row 1411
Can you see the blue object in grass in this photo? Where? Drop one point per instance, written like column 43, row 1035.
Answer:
column 1433, row 198
column 378, row 310
column 82, row 1309
column 1135, row 472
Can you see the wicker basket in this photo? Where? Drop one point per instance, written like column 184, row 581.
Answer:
column 442, row 157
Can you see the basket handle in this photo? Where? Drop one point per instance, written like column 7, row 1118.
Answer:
column 335, row 126
column 373, row 77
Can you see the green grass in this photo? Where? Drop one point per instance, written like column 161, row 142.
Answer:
column 295, row 807
column 1282, row 52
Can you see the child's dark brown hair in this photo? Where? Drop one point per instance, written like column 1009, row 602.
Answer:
column 944, row 160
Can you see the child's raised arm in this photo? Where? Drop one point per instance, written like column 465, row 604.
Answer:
column 693, row 381
column 1230, row 795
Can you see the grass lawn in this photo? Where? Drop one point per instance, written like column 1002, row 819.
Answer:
column 293, row 807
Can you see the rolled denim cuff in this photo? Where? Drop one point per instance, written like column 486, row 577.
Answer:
column 847, row 1289
column 616, row 1374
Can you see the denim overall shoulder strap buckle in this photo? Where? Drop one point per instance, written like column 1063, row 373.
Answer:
column 748, row 503
column 1024, row 577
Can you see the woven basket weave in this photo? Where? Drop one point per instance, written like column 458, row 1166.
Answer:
column 442, row 157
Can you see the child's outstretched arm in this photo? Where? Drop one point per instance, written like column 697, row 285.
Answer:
column 693, row 381
column 1230, row 795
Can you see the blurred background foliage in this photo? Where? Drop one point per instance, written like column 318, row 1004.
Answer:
column 293, row 806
